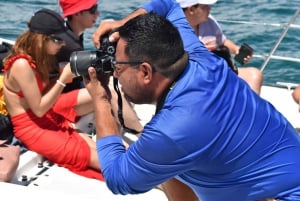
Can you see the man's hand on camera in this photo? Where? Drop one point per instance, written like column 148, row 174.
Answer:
column 109, row 25
column 104, row 27
column 95, row 87
column 104, row 119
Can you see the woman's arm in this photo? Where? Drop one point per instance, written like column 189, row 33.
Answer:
column 234, row 49
column 27, row 83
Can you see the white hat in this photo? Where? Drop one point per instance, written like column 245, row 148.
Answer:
column 187, row 3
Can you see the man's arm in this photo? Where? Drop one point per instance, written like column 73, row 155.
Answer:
column 233, row 48
column 107, row 26
column 109, row 147
column 157, row 6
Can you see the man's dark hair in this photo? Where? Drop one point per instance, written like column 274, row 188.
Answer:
column 154, row 39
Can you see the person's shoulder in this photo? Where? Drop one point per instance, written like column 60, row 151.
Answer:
column 212, row 19
column 70, row 36
column 210, row 25
column 19, row 61
column 212, row 22
column 22, row 65
column 72, row 43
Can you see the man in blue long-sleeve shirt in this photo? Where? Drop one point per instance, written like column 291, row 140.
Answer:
column 210, row 130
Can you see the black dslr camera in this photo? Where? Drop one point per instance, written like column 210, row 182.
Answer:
column 101, row 59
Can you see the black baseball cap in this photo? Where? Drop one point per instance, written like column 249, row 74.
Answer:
column 49, row 22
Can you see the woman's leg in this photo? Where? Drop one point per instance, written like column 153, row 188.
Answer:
column 178, row 191
column 94, row 162
column 84, row 106
column 252, row 76
column 84, row 103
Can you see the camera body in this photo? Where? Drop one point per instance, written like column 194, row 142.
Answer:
column 101, row 59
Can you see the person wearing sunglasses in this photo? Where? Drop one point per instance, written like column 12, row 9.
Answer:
column 41, row 115
column 79, row 15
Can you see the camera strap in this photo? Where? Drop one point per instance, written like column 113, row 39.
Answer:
column 120, row 109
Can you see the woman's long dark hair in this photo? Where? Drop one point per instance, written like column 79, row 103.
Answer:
column 34, row 45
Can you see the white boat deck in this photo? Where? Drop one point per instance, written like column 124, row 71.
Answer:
column 37, row 179
column 281, row 99
column 60, row 184
column 50, row 182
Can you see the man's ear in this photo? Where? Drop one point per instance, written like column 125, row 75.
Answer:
column 190, row 9
column 147, row 72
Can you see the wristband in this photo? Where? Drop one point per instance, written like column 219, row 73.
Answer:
column 60, row 83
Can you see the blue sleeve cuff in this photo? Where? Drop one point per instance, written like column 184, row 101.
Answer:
column 108, row 140
column 108, row 149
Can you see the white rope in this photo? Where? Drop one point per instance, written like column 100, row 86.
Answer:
column 297, row 26
column 278, row 58
column 288, row 85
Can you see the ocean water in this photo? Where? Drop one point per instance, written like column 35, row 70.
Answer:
column 259, row 23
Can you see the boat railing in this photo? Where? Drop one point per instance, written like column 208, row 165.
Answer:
column 285, row 30
column 2, row 40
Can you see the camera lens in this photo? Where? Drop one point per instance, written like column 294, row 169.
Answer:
column 101, row 59
column 81, row 60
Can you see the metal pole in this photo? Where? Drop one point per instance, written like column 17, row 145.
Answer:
column 57, row 6
column 280, row 39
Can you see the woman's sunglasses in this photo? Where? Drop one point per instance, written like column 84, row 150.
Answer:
column 93, row 9
column 56, row 39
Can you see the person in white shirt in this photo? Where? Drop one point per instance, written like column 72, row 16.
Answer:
column 210, row 33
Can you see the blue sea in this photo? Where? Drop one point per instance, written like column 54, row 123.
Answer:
column 260, row 23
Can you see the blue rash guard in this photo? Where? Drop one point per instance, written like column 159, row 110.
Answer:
column 213, row 133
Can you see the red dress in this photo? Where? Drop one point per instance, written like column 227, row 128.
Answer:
column 51, row 135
